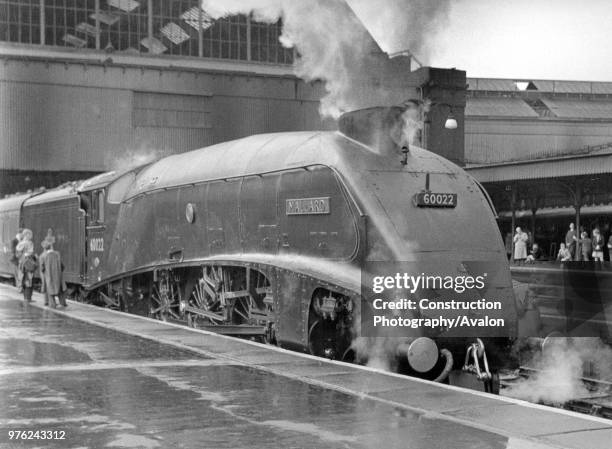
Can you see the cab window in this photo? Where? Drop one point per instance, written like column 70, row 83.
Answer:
column 96, row 200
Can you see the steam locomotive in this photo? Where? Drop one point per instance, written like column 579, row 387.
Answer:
column 266, row 236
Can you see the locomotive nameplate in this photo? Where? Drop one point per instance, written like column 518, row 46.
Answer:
column 432, row 199
column 307, row 206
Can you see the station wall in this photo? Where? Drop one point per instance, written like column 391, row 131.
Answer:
column 92, row 117
column 88, row 113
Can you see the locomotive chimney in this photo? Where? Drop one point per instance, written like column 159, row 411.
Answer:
column 435, row 121
column 380, row 128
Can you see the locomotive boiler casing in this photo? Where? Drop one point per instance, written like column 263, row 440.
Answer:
column 308, row 209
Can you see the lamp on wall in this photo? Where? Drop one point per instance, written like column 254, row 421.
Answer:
column 451, row 121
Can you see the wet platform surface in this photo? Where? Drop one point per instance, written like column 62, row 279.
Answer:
column 112, row 380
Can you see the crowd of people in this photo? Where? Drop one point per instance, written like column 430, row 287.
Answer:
column 48, row 263
column 577, row 246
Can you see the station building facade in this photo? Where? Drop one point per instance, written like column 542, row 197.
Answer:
column 543, row 151
column 96, row 85
column 90, row 86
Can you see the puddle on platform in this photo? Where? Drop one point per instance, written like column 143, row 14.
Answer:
column 28, row 352
column 174, row 382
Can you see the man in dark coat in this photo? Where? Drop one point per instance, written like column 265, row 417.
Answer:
column 51, row 271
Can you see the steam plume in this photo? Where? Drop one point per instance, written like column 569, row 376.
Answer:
column 399, row 25
column 378, row 352
column 413, row 120
column 133, row 158
column 334, row 46
column 561, row 367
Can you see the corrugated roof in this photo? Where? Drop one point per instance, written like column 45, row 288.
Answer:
column 544, row 85
column 567, row 108
column 602, row 88
column 573, row 87
column 491, row 84
column 566, row 87
column 506, row 107
column 544, row 168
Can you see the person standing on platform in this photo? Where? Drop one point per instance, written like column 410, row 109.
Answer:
column 598, row 246
column 43, row 284
column 520, row 245
column 15, row 258
column 27, row 263
column 570, row 240
column 586, row 247
column 51, row 272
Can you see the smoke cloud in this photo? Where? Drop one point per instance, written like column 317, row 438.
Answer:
column 413, row 120
column 378, row 352
column 400, row 25
column 561, row 367
column 333, row 45
column 132, row 158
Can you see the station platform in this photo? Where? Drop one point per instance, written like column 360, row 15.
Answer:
column 109, row 379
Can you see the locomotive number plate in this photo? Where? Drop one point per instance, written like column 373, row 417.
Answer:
column 307, row 206
column 432, row 199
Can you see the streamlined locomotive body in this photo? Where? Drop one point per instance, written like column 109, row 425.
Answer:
column 266, row 236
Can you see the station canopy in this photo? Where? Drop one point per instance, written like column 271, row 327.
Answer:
column 597, row 162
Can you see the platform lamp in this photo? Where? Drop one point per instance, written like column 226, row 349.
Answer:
column 450, row 122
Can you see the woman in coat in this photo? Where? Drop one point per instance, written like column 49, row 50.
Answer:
column 27, row 263
column 598, row 246
column 520, row 245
